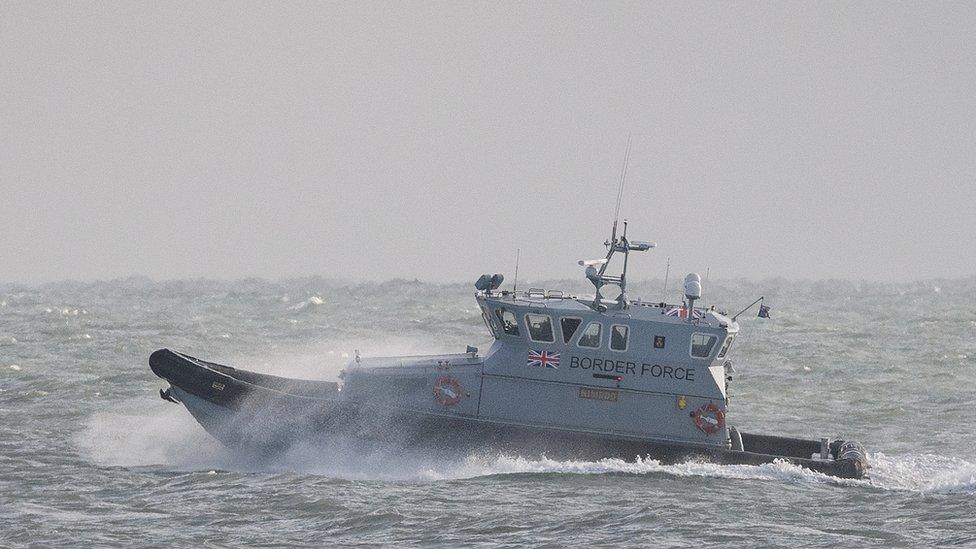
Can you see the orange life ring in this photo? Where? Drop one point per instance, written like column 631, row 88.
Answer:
column 706, row 425
column 448, row 391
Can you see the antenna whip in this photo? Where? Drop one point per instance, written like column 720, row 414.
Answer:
column 667, row 271
column 620, row 188
column 518, row 252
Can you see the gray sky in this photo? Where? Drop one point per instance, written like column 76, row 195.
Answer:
column 431, row 140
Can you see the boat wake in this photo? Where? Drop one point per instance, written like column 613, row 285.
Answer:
column 166, row 438
column 927, row 473
column 918, row 473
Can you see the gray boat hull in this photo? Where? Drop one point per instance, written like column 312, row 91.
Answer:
column 259, row 413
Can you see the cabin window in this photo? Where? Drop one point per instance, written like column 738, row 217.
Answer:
column 618, row 337
column 659, row 342
column 726, row 346
column 569, row 326
column 508, row 321
column 540, row 328
column 489, row 324
column 591, row 335
column 702, row 345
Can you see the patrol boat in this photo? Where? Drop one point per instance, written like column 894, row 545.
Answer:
column 566, row 377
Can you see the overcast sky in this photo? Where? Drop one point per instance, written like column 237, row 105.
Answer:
column 430, row 140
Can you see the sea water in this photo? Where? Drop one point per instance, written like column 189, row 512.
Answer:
column 90, row 455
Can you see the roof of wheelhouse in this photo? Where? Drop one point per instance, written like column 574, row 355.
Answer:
column 635, row 309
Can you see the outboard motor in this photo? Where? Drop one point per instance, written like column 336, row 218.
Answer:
column 851, row 458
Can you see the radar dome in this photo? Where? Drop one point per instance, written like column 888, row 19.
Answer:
column 693, row 287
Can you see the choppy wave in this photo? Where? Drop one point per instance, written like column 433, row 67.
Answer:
column 918, row 473
column 923, row 473
column 885, row 364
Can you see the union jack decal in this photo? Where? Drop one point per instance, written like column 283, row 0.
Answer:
column 682, row 312
column 543, row 359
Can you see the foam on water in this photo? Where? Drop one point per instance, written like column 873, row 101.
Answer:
column 918, row 473
column 475, row 466
column 170, row 438
column 131, row 437
column 923, row 473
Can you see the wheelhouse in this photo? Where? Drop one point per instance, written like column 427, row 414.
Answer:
column 569, row 322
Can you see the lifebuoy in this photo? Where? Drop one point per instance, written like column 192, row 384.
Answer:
column 709, row 418
column 448, row 391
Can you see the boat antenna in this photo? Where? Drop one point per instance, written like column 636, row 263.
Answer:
column 518, row 252
column 620, row 188
column 667, row 271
